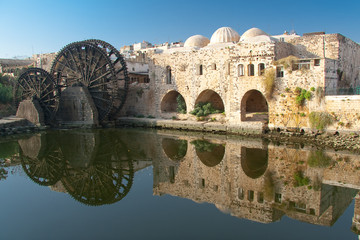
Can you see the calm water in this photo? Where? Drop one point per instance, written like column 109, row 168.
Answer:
column 140, row 184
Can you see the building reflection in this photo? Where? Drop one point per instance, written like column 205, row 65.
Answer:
column 260, row 182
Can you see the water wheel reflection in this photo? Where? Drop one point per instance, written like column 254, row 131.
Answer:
column 104, row 178
column 41, row 159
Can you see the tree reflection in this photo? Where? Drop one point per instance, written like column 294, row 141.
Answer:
column 210, row 154
column 94, row 169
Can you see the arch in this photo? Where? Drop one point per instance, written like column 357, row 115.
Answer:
column 211, row 97
column 175, row 149
column 254, row 161
column 210, row 154
column 173, row 101
column 254, row 106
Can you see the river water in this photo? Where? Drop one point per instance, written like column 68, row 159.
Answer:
column 143, row 184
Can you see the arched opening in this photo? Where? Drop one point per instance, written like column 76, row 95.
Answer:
column 168, row 75
column 251, row 70
column 209, row 96
column 175, row 149
column 254, row 161
column 254, row 107
column 261, row 69
column 173, row 101
column 210, row 154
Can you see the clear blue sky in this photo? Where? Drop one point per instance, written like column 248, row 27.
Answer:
column 34, row 26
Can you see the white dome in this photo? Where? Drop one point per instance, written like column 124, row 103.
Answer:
column 196, row 41
column 252, row 32
column 223, row 35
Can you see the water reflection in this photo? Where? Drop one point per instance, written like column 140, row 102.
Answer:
column 95, row 169
column 249, row 179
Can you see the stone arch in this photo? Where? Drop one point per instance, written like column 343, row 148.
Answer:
column 254, row 106
column 169, row 102
column 254, row 161
column 211, row 97
column 175, row 149
column 210, row 154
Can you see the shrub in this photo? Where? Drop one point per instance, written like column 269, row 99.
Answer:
column 269, row 81
column 319, row 159
column 6, row 94
column 181, row 105
column 302, row 94
column 204, row 109
column 320, row 120
column 203, row 145
column 300, row 179
column 287, row 62
column 312, row 89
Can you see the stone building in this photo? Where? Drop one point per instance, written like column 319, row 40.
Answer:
column 255, row 79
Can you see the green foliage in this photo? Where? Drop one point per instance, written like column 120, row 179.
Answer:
column 181, row 105
column 150, row 116
column 320, row 120
column 300, row 179
column 312, row 89
column 287, row 62
column 269, row 81
column 287, row 89
column 174, row 118
column 203, row 145
column 140, row 116
column 302, row 94
column 6, row 94
column 204, row 109
column 319, row 159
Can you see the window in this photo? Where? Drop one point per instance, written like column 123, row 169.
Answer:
column 260, row 197
column 241, row 70
column 241, row 193
column 251, row 70
column 213, row 66
column 304, row 64
column 202, row 183
column 168, row 75
column 279, row 71
column 261, row 69
column 277, row 197
column 251, row 195
column 312, row 211
column 201, row 70
column 317, row 62
column 172, row 174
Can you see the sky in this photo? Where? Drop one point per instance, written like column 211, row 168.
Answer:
column 34, row 26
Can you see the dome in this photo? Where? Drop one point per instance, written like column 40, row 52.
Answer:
column 196, row 41
column 252, row 32
column 223, row 35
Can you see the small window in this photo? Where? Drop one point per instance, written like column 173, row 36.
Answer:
column 251, row 195
column 241, row 70
column 201, row 70
column 277, row 197
column 241, row 193
column 260, row 197
column 168, row 75
column 261, row 69
column 172, row 174
column 251, row 70
column 312, row 211
column 202, row 183
column 213, row 66
column 317, row 62
column 279, row 71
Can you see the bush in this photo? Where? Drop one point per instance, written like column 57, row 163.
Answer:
column 320, row 120
column 319, row 159
column 269, row 81
column 300, row 179
column 302, row 94
column 203, row 145
column 6, row 95
column 287, row 62
column 181, row 105
column 204, row 109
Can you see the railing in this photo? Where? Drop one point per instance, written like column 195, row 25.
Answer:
column 342, row 91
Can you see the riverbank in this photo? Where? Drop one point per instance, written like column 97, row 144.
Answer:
column 349, row 141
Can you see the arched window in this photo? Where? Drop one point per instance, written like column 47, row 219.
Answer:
column 241, row 70
column 261, row 69
column 251, row 70
column 168, row 75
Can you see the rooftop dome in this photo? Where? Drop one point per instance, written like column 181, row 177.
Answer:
column 252, row 32
column 196, row 41
column 223, row 35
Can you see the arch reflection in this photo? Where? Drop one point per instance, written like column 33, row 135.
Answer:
column 210, row 154
column 95, row 169
column 175, row 149
column 254, row 161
